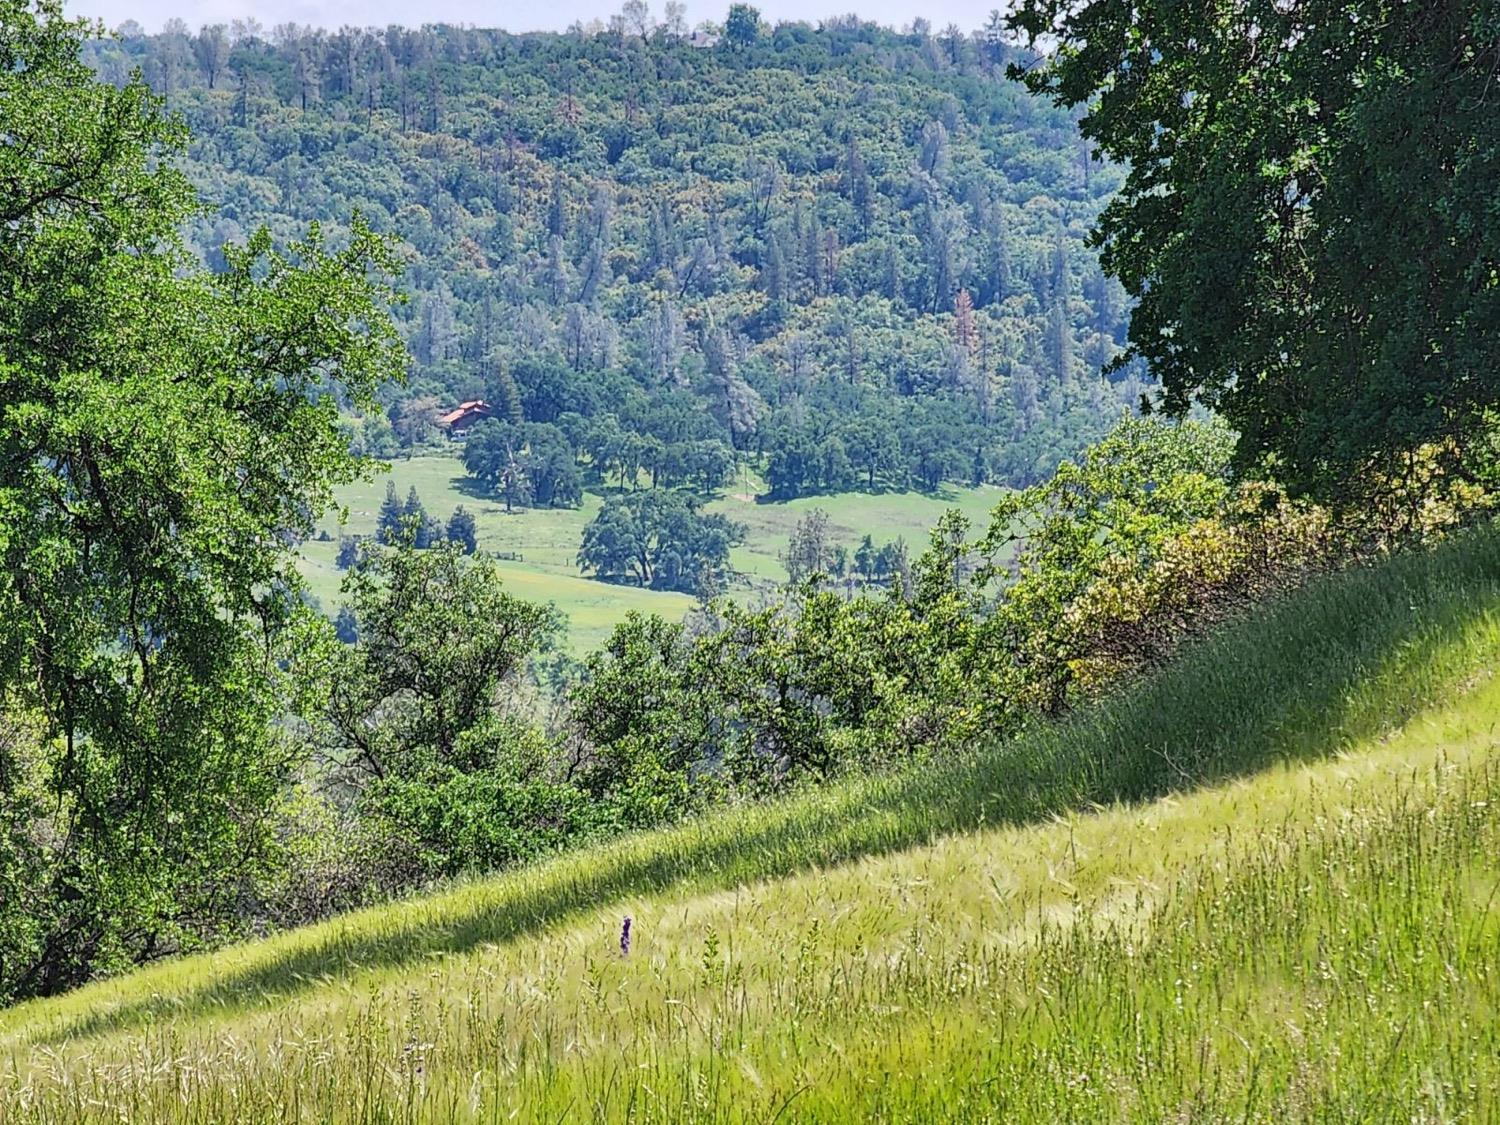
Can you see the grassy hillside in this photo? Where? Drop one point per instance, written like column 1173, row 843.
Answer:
column 547, row 539
column 1257, row 886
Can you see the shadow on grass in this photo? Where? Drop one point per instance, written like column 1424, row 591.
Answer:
column 621, row 581
column 1330, row 665
column 944, row 492
column 474, row 489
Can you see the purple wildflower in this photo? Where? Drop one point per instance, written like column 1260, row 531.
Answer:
column 625, row 938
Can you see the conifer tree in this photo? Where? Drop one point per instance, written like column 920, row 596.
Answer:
column 388, row 520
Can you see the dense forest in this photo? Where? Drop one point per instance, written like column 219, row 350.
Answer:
column 856, row 254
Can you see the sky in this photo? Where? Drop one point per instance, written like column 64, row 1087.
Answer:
column 553, row 16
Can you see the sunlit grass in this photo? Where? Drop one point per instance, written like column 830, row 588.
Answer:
column 884, row 516
column 547, row 540
column 1236, row 892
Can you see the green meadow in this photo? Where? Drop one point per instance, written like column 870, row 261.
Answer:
column 1256, row 886
column 547, row 539
column 884, row 517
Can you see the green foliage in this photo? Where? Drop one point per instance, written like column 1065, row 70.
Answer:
column 847, row 255
column 810, row 549
column 423, row 717
column 1122, row 503
column 760, row 245
column 509, row 805
column 348, row 554
column 641, row 731
column 957, row 890
column 528, row 464
column 388, row 520
column 165, row 435
column 461, row 530
column 1141, row 544
column 440, row 642
column 414, row 516
column 742, row 25
column 1308, row 221
column 660, row 539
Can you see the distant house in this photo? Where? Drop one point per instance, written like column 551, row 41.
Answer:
column 463, row 418
column 703, row 39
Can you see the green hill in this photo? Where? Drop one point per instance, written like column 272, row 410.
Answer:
column 860, row 251
column 1256, row 886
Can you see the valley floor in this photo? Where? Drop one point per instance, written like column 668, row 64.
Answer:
column 542, row 543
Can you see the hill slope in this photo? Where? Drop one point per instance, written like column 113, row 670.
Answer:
column 1258, row 885
column 838, row 232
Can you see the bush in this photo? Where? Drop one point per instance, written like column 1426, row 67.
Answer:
column 506, row 803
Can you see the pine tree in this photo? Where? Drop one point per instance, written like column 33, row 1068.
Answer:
column 555, row 272
column 894, row 291
column 810, row 549
column 1059, row 340
column 857, row 185
column 388, row 522
column 773, row 277
column 508, row 398
column 414, row 517
column 864, row 559
column 462, row 530
column 664, row 343
column 934, row 159
column 733, row 401
column 557, row 212
column 965, row 329
column 812, row 256
column 434, row 102
column 348, row 554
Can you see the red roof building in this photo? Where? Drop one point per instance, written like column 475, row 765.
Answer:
column 465, row 417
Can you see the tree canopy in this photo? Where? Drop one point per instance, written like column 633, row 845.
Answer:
column 659, row 539
column 1308, row 223
column 800, row 233
column 164, row 433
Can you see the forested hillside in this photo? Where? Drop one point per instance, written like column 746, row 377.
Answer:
column 856, row 252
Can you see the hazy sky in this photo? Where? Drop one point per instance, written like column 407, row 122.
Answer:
column 555, row 15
